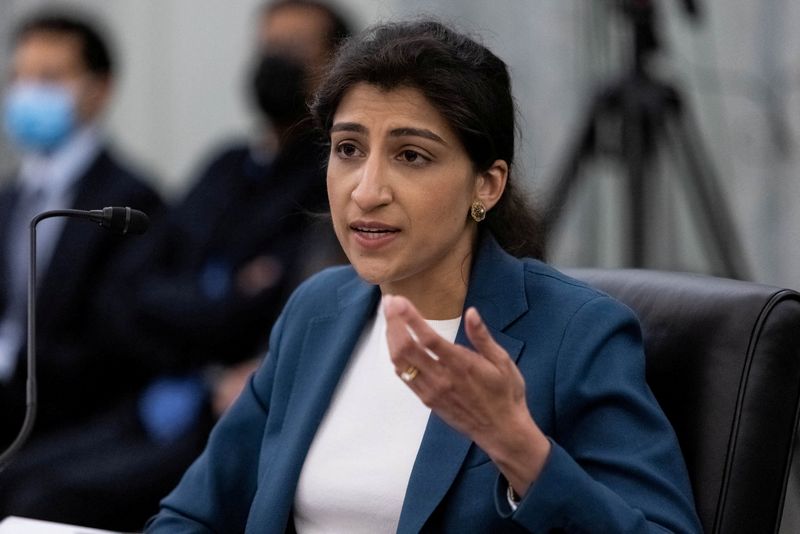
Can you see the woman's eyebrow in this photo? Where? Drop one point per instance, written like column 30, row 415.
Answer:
column 397, row 132
column 349, row 127
column 418, row 132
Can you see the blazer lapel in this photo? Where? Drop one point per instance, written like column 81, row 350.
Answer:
column 497, row 290
column 327, row 348
column 330, row 338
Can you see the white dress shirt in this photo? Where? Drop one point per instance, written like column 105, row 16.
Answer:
column 50, row 179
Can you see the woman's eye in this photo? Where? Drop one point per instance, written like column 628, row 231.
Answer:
column 347, row 150
column 412, row 156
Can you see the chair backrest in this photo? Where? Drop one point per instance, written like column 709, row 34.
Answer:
column 723, row 359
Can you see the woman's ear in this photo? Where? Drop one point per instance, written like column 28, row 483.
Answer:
column 491, row 183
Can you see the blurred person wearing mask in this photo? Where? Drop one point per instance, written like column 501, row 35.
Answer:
column 237, row 244
column 227, row 257
column 243, row 236
column 296, row 41
column 60, row 85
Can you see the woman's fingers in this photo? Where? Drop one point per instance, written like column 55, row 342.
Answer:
column 479, row 393
column 408, row 331
column 480, row 337
column 413, row 342
column 406, row 352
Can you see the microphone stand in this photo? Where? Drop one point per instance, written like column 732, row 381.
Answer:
column 104, row 218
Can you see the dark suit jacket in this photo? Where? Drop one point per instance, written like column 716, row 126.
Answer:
column 615, row 464
column 187, row 310
column 75, row 377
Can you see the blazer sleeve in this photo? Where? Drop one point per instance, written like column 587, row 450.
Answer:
column 216, row 492
column 615, row 464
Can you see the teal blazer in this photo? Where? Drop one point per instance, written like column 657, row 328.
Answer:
column 615, row 465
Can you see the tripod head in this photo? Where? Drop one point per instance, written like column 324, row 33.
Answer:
column 642, row 15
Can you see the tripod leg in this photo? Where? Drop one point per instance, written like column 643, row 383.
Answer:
column 635, row 156
column 702, row 179
column 569, row 172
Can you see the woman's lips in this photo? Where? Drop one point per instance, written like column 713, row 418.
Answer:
column 373, row 235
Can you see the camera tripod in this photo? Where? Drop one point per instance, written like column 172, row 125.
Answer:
column 651, row 114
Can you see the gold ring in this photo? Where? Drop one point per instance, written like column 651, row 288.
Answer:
column 409, row 374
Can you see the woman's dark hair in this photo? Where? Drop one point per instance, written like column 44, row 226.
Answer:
column 95, row 52
column 465, row 82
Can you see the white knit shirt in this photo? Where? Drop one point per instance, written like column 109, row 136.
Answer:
column 355, row 475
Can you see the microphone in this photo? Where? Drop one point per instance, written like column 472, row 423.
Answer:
column 121, row 220
column 118, row 220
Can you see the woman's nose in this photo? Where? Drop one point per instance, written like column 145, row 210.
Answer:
column 373, row 188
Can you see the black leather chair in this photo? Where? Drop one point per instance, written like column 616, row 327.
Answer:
column 723, row 359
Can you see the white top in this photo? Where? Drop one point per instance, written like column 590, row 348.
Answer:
column 355, row 475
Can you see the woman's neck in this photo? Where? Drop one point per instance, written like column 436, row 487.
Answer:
column 442, row 298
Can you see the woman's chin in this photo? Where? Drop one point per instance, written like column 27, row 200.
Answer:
column 373, row 274
column 371, row 277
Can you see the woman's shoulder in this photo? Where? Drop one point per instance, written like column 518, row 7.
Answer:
column 324, row 289
column 546, row 284
column 541, row 274
column 502, row 281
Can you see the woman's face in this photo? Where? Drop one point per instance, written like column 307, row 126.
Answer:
column 400, row 186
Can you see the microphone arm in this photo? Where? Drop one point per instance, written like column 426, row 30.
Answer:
column 118, row 220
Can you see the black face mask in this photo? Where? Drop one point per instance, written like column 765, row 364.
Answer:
column 279, row 87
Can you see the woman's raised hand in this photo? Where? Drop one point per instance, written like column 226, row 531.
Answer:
column 480, row 392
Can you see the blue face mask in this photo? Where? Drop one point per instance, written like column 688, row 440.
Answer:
column 39, row 116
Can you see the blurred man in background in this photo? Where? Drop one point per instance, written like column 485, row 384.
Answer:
column 227, row 258
column 239, row 241
column 59, row 87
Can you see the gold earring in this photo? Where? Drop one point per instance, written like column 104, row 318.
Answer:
column 478, row 211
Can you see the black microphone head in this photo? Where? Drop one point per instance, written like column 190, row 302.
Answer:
column 125, row 220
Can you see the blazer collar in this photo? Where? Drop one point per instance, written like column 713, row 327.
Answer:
column 497, row 290
column 330, row 337
column 497, row 285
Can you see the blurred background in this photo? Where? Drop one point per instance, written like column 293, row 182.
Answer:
column 736, row 64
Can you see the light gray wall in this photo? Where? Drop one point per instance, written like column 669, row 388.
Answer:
column 180, row 94
column 180, row 88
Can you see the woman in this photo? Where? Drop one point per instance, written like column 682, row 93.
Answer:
column 521, row 404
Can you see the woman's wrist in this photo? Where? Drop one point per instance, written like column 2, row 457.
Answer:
column 520, row 452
